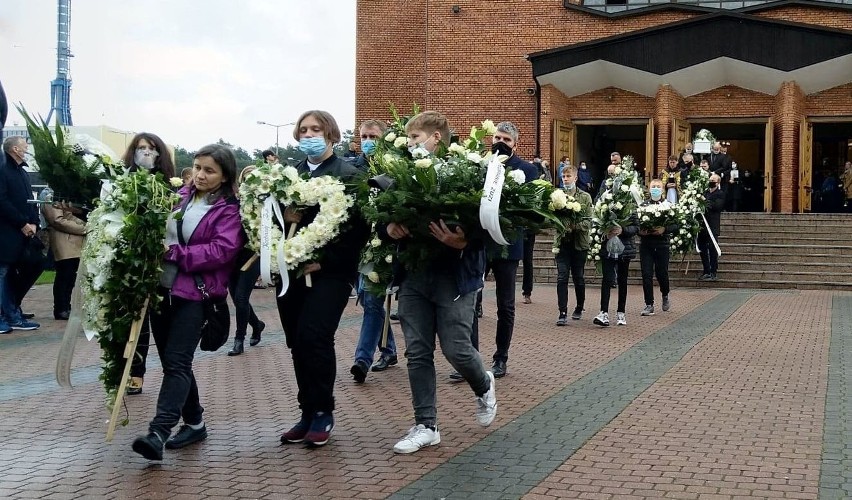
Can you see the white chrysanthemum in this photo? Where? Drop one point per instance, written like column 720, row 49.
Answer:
column 474, row 157
column 518, row 176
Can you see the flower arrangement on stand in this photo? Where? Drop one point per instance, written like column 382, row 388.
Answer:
column 448, row 185
column 689, row 209
column 120, row 264
column 614, row 207
column 74, row 171
column 269, row 186
column 703, row 141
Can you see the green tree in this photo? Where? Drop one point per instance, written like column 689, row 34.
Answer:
column 342, row 147
column 183, row 159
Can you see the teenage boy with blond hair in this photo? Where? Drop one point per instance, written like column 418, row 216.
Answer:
column 439, row 300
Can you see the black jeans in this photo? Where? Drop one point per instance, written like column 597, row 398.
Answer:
column 529, row 246
column 177, row 330
column 654, row 259
column 240, row 286
column 63, row 284
column 505, row 277
column 609, row 271
column 570, row 262
column 709, row 257
column 140, row 357
column 310, row 317
column 22, row 279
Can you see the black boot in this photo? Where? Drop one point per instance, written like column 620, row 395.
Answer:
column 238, row 348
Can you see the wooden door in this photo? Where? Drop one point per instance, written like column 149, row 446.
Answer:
column 562, row 144
column 769, row 167
column 680, row 135
column 650, row 160
column 806, row 144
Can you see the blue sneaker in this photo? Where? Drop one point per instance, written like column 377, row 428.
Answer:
column 321, row 427
column 4, row 327
column 25, row 325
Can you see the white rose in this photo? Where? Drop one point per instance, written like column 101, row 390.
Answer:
column 555, row 250
column 375, row 242
column 457, row 148
column 373, row 276
column 618, row 170
column 625, row 188
column 518, row 176
column 489, row 127
column 474, row 157
column 389, row 259
column 390, row 137
column 423, row 163
column 618, row 205
column 400, row 142
column 559, row 199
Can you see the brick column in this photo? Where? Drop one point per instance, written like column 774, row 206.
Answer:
column 788, row 115
column 668, row 104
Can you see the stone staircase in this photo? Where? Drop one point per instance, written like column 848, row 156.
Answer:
column 759, row 250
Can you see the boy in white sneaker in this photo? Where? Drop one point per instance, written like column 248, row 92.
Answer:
column 439, row 299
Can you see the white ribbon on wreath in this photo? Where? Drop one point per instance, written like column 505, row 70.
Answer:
column 489, row 205
column 270, row 206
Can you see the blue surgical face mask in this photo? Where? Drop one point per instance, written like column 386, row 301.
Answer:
column 368, row 146
column 570, row 187
column 312, row 146
column 656, row 193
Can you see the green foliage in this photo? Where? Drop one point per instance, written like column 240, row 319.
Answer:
column 70, row 177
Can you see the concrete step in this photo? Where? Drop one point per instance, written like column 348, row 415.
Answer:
column 727, row 282
column 819, row 239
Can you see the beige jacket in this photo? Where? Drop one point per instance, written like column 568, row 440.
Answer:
column 846, row 179
column 66, row 232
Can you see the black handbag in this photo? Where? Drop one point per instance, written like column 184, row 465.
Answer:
column 32, row 253
column 216, row 326
column 217, row 319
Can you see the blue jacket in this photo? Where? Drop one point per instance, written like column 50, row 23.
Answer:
column 15, row 212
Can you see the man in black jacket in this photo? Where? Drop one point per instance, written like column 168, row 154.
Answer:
column 18, row 223
column 713, row 214
column 720, row 164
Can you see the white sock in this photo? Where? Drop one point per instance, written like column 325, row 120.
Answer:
column 197, row 426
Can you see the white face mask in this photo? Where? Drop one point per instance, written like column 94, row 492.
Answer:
column 145, row 159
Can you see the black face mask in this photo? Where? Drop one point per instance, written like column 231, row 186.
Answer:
column 714, row 184
column 501, row 148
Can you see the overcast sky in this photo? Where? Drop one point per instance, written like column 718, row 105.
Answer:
column 190, row 71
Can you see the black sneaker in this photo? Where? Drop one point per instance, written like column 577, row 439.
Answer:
column 713, row 277
column 705, row 277
column 394, row 317
column 186, row 436
column 577, row 314
column 384, row 362
column 359, row 371
column 150, row 446
column 563, row 319
column 667, row 304
column 649, row 310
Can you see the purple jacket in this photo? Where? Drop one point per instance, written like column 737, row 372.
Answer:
column 210, row 252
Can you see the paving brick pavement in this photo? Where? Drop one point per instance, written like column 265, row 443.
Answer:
column 731, row 402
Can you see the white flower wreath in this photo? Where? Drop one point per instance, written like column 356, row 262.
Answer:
column 270, row 185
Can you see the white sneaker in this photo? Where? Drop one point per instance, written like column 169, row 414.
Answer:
column 621, row 319
column 486, row 406
column 418, row 437
column 601, row 319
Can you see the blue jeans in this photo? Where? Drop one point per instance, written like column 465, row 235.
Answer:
column 371, row 327
column 8, row 308
column 429, row 304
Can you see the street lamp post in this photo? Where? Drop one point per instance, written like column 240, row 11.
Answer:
column 260, row 122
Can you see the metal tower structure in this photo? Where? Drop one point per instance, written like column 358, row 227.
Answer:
column 60, row 88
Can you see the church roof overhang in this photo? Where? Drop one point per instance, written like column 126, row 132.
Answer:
column 746, row 7
column 701, row 54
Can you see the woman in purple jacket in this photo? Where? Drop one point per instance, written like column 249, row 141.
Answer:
column 209, row 221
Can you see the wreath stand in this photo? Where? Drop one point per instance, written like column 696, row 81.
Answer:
column 129, row 352
column 383, row 343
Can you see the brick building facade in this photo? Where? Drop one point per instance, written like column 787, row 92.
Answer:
column 583, row 77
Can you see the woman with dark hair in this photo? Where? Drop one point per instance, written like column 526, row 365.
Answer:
column 241, row 285
column 146, row 151
column 310, row 315
column 203, row 238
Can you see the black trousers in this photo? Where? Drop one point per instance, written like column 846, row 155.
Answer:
column 529, row 246
column 240, row 286
column 177, row 330
column 570, row 263
column 63, row 284
column 654, row 259
column 610, row 267
column 310, row 317
column 709, row 257
column 23, row 277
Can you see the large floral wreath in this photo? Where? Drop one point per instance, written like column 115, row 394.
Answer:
column 270, row 185
column 690, row 207
column 120, row 264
